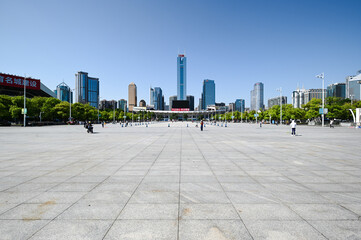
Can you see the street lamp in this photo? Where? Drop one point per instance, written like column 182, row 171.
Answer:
column 25, row 100
column 322, row 76
column 99, row 97
column 280, row 90
column 351, row 98
column 70, row 98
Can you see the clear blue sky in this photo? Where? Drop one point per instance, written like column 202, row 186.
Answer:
column 236, row 43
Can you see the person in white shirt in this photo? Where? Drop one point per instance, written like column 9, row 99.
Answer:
column 293, row 126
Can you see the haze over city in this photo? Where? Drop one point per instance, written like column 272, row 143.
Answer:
column 236, row 43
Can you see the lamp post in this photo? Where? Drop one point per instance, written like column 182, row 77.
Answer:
column 25, row 100
column 322, row 76
column 280, row 90
column 99, row 97
column 113, row 111
column 70, row 100
column 351, row 98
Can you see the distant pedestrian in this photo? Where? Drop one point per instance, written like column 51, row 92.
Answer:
column 103, row 124
column 202, row 125
column 293, row 126
column 331, row 124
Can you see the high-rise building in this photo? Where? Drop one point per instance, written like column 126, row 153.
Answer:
column 122, row 103
column 105, row 104
column 298, row 98
column 181, row 77
column 257, row 97
column 190, row 99
column 64, row 93
column 314, row 93
column 151, row 97
column 200, row 103
column 239, row 105
column 171, row 99
column 336, row 90
column 209, row 93
column 142, row 103
column 132, row 96
column 158, row 99
column 86, row 89
column 276, row 101
column 232, row 107
column 353, row 87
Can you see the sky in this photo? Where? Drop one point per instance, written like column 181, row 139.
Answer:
column 282, row 43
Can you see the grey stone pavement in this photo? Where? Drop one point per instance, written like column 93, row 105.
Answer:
column 160, row 182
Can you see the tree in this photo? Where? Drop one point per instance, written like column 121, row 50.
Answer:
column 61, row 111
column 48, row 108
column 5, row 103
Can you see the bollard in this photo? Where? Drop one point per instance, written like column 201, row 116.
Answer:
column 187, row 124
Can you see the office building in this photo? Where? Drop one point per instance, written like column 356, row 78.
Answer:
column 298, row 98
column 276, row 101
column 105, row 104
column 190, row 99
column 132, row 96
column 232, row 107
column 158, row 99
column 86, row 89
column 353, row 86
column 336, row 90
column 151, row 97
column 142, row 103
column 257, row 97
column 200, row 104
column 64, row 93
column 209, row 93
column 171, row 99
column 122, row 103
column 181, row 77
column 239, row 105
column 314, row 93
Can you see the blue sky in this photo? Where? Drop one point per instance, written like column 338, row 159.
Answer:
column 282, row 43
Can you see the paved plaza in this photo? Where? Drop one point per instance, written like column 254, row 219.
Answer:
column 160, row 182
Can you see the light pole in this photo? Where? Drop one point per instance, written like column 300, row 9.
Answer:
column 25, row 100
column 351, row 98
column 70, row 98
column 99, row 97
column 322, row 76
column 114, row 112
column 280, row 90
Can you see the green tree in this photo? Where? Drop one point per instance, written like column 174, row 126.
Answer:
column 48, row 108
column 5, row 103
column 61, row 111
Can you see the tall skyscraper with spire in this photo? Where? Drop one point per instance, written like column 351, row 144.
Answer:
column 181, row 77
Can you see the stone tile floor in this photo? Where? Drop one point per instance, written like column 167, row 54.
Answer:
column 160, row 182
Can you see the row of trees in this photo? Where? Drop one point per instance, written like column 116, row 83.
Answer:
column 337, row 109
column 52, row 109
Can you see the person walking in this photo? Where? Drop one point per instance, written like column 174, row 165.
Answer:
column 293, row 126
column 331, row 124
column 202, row 125
column 103, row 124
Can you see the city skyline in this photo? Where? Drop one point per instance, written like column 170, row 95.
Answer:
column 281, row 43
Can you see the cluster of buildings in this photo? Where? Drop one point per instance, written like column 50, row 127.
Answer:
column 87, row 91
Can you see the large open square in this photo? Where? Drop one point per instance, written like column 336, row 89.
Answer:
column 160, row 182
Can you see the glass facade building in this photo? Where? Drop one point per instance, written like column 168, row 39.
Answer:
column 122, row 103
column 64, row 93
column 209, row 93
column 239, row 105
column 257, row 97
column 336, row 90
column 181, row 77
column 86, row 89
column 158, row 99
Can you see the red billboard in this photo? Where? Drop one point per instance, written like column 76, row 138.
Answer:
column 16, row 81
column 180, row 109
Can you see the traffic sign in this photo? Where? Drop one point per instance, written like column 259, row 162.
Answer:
column 320, row 110
column 255, row 115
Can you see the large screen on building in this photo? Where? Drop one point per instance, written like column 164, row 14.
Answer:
column 180, row 105
column 16, row 81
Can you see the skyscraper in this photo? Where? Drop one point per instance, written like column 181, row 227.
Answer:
column 171, row 99
column 86, row 89
column 239, row 105
column 132, row 96
column 181, row 77
column 158, row 99
column 151, row 97
column 122, row 103
column 257, row 97
column 64, row 93
column 209, row 93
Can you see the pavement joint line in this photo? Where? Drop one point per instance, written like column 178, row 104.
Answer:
column 211, row 169
column 106, row 233
column 93, row 187
column 179, row 185
column 287, row 205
